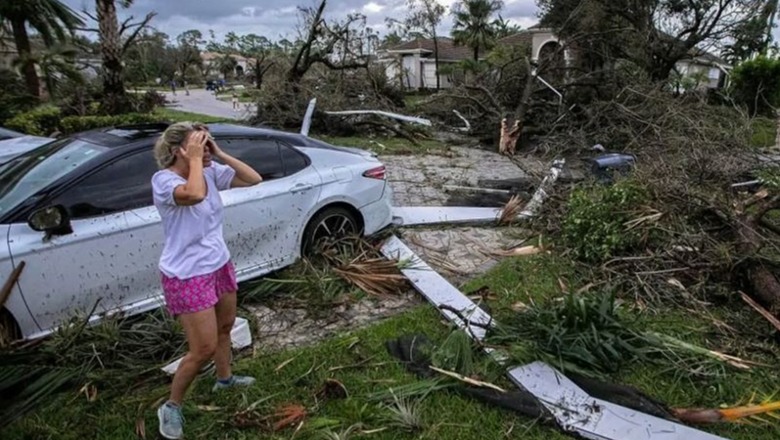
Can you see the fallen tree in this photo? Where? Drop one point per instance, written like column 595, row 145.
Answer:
column 689, row 231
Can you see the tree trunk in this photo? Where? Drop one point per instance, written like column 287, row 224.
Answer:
column 436, row 58
column 509, row 136
column 476, row 53
column 764, row 286
column 22, row 42
column 258, row 76
column 115, row 97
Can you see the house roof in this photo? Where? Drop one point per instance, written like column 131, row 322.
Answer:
column 210, row 56
column 702, row 55
column 448, row 50
column 518, row 39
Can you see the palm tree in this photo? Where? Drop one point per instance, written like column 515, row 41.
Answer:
column 51, row 19
column 111, row 53
column 504, row 28
column 56, row 64
column 472, row 25
column 226, row 65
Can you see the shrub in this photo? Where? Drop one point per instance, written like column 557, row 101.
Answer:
column 75, row 124
column 14, row 98
column 149, row 101
column 594, row 226
column 756, row 85
column 40, row 121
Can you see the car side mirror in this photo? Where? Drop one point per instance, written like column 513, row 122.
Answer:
column 53, row 220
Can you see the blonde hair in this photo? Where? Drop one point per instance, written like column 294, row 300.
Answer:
column 171, row 140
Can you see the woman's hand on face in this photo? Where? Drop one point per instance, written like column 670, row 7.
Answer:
column 195, row 145
column 214, row 149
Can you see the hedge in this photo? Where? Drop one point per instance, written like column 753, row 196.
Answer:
column 75, row 124
column 40, row 121
column 45, row 120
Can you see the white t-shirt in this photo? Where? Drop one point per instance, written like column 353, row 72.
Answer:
column 194, row 244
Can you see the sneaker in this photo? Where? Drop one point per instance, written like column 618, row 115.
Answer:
column 234, row 381
column 171, row 421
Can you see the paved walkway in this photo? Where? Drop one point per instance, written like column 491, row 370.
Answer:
column 427, row 180
column 205, row 103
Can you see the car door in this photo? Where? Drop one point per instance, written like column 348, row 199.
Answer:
column 96, row 264
column 262, row 222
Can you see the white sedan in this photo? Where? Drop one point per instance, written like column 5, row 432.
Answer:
column 78, row 213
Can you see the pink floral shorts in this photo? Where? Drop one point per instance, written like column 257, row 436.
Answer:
column 200, row 292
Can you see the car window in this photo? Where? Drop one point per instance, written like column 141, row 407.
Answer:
column 121, row 185
column 293, row 161
column 261, row 154
column 24, row 176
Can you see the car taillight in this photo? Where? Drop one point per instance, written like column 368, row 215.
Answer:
column 375, row 173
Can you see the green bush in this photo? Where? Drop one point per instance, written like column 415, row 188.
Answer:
column 756, row 85
column 594, row 226
column 14, row 98
column 75, row 124
column 40, row 121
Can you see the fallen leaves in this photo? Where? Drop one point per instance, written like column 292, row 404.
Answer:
column 332, row 389
column 510, row 211
column 375, row 276
column 288, row 415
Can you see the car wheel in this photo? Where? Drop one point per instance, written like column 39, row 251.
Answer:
column 327, row 225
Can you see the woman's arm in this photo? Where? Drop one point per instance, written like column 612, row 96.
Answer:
column 194, row 191
column 245, row 175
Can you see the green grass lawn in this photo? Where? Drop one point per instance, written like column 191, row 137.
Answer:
column 361, row 363
column 182, row 116
column 384, row 145
column 241, row 99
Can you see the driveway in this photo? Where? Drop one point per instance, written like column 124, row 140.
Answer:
column 205, row 103
column 459, row 253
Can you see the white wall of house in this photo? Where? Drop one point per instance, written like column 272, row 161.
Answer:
column 429, row 75
column 710, row 75
column 410, row 71
column 540, row 38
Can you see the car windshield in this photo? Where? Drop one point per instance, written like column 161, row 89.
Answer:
column 24, row 176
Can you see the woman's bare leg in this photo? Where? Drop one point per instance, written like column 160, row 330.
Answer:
column 226, row 316
column 201, row 331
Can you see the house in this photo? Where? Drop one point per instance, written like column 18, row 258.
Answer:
column 211, row 60
column 7, row 49
column 412, row 63
column 706, row 70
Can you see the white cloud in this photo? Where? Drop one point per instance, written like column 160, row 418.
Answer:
column 373, row 8
column 276, row 18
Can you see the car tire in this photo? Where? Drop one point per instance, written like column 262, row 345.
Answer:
column 331, row 223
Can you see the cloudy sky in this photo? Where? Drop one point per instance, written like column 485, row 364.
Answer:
column 276, row 18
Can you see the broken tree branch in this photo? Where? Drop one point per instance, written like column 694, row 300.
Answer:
column 468, row 380
column 5, row 292
column 764, row 312
column 139, row 26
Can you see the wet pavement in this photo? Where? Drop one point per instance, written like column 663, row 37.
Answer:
column 204, row 102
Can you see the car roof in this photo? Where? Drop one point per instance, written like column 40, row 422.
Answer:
column 8, row 134
column 128, row 134
column 133, row 136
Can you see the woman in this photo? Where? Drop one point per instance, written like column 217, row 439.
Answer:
column 198, row 279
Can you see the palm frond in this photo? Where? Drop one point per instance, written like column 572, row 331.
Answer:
column 405, row 414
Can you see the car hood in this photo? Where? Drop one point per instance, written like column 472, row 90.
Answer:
column 11, row 148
